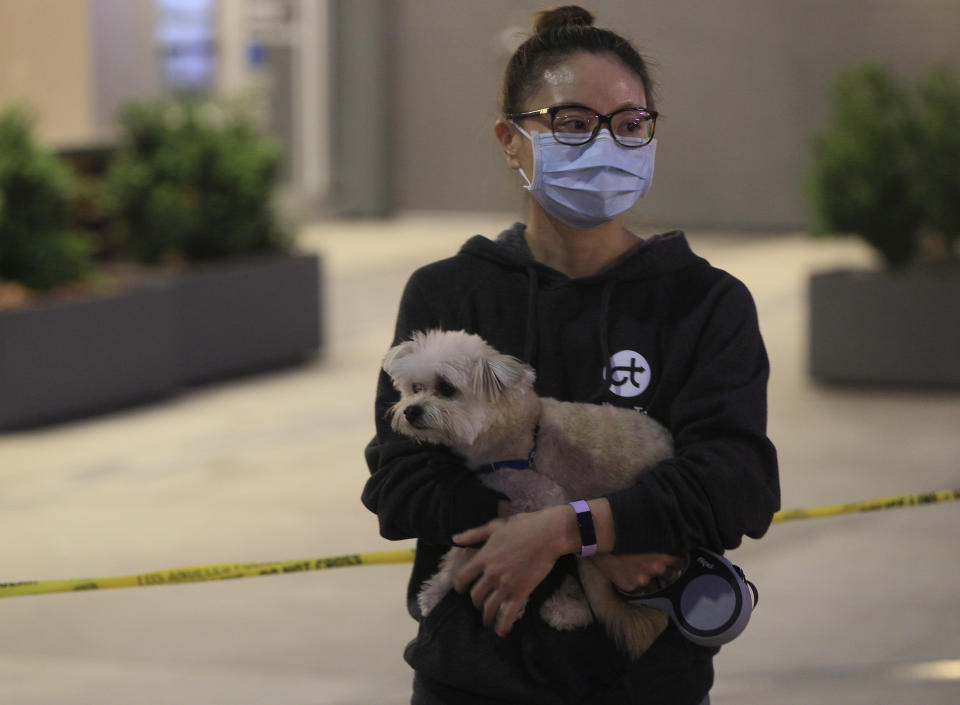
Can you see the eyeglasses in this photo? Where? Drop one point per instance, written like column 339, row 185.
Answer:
column 574, row 124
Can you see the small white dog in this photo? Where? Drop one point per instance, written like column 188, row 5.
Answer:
column 457, row 391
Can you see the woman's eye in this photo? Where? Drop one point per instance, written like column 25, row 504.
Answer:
column 572, row 125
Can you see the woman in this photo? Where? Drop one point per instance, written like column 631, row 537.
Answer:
column 603, row 317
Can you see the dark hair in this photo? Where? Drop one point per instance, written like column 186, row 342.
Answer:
column 557, row 34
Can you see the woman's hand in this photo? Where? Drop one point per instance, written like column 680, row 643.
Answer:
column 519, row 552
column 634, row 572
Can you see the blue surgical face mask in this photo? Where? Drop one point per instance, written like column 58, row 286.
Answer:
column 589, row 184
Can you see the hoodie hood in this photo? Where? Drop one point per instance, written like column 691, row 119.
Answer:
column 661, row 254
column 658, row 255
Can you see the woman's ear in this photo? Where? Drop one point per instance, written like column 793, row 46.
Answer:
column 509, row 139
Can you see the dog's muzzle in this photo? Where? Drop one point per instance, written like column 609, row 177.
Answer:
column 414, row 415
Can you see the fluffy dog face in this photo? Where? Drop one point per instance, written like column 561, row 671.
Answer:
column 452, row 386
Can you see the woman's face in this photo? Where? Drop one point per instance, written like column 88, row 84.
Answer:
column 600, row 82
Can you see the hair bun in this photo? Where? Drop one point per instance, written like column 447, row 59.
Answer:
column 562, row 17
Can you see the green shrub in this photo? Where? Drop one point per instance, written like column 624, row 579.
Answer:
column 193, row 180
column 37, row 248
column 885, row 167
column 937, row 173
column 862, row 171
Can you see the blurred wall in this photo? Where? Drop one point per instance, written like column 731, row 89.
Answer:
column 75, row 62
column 45, row 61
column 413, row 85
column 124, row 56
column 742, row 85
column 362, row 139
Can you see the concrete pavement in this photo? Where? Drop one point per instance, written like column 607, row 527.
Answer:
column 858, row 609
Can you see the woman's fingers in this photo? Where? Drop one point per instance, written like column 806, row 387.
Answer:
column 467, row 574
column 481, row 591
column 507, row 613
column 474, row 567
column 477, row 534
column 517, row 553
column 637, row 571
column 491, row 607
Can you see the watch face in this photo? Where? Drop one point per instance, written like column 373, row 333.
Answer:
column 588, row 535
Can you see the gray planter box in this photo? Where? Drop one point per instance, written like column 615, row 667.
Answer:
column 78, row 357
column 63, row 360
column 899, row 328
column 246, row 316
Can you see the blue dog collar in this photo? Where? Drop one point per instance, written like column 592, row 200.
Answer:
column 524, row 464
column 517, row 464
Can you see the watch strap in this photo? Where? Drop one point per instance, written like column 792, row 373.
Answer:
column 588, row 534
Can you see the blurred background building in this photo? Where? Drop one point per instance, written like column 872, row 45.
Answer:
column 387, row 105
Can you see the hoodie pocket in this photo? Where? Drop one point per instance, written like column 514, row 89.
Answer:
column 453, row 648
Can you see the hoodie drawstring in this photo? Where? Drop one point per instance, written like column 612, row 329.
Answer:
column 605, row 297
column 530, row 336
column 530, row 339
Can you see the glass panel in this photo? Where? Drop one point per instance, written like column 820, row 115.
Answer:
column 632, row 125
column 185, row 33
column 574, row 121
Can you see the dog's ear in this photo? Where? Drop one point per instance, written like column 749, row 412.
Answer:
column 396, row 354
column 498, row 372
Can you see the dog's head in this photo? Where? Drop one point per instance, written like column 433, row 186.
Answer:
column 453, row 386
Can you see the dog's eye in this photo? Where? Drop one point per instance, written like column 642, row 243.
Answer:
column 416, row 387
column 445, row 389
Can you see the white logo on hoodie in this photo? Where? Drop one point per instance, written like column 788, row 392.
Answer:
column 629, row 373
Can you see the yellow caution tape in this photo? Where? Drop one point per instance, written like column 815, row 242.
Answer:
column 203, row 573
column 227, row 571
column 870, row 505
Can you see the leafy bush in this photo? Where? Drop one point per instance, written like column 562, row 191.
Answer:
column 193, row 180
column 937, row 173
column 37, row 248
column 886, row 165
column 862, row 172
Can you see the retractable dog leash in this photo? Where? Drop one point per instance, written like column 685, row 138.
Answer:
column 710, row 603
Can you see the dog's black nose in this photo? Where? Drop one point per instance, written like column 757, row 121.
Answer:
column 413, row 413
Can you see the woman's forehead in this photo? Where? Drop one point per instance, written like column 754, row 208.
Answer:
column 598, row 81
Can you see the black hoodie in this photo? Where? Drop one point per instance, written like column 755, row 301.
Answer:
column 660, row 331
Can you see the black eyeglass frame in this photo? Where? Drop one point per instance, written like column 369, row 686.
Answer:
column 601, row 121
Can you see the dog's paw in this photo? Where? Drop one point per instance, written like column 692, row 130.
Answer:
column 430, row 594
column 565, row 614
column 567, row 608
column 436, row 587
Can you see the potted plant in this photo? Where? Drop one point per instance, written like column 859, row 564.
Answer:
column 59, row 356
column 38, row 250
column 192, row 187
column 887, row 169
column 208, row 286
